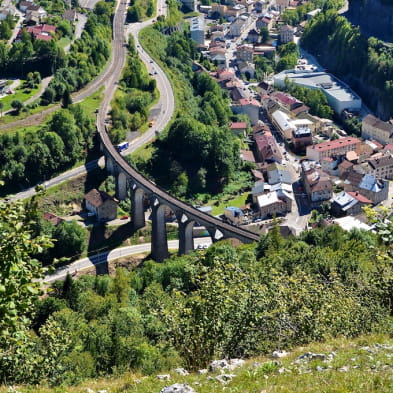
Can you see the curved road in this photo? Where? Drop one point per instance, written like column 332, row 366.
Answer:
column 117, row 253
column 80, row 95
column 166, row 102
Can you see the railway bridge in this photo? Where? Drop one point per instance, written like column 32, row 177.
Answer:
column 128, row 180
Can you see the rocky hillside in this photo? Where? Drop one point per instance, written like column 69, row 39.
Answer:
column 375, row 17
column 363, row 365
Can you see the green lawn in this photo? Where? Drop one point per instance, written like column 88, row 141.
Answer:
column 63, row 42
column 21, row 94
column 92, row 103
column 237, row 201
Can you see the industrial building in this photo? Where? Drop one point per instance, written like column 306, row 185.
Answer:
column 338, row 94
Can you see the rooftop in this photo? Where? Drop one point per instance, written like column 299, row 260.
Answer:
column 267, row 199
column 374, row 122
column 331, row 145
column 301, row 132
column 347, row 223
column 97, row 197
column 381, row 162
column 246, row 101
column 238, row 125
column 236, row 211
column 345, row 200
column 321, row 80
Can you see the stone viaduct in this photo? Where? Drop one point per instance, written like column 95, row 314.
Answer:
column 129, row 180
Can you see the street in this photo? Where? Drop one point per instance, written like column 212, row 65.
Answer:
column 117, row 253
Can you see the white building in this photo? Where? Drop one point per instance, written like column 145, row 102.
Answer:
column 197, row 29
column 285, row 125
column 338, row 94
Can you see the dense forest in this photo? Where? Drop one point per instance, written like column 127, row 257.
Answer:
column 366, row 64
column 225, row 302
column 86, row 58
column 28, row 158
column 374, row 17
column 198, row 153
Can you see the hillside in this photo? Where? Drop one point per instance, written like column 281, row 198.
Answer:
column 339, row 366
column 375, row 17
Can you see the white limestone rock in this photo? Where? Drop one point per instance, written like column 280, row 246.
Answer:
column 181, row 371
column 280, row 354
column 231, row 364
column 163, row 377
column 178, row 388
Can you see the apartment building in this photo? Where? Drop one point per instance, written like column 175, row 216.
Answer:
column 336, row 147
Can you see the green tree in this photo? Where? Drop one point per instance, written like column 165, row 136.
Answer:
column 17, row 105
column 70, row 240
column 67, row 99
column 265, row 36
column 20, row 273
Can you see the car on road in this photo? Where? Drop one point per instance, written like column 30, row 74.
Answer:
column 125, row 217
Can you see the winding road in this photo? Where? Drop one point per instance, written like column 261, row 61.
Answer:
column 102, row 80
column 109, row 79
column 107, row 256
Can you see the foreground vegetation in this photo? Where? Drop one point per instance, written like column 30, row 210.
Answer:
column 365, row 374
column 222, row 303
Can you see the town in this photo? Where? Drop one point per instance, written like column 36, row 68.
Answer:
column 302, row 162
column 195, row 196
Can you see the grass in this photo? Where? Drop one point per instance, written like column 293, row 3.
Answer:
column 6, row 119
column 366, row 373
column 143, row 154
column 92, row 102
column 219, row 206
column 22, row 94
column 63, row 42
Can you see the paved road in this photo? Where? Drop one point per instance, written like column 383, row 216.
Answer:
column 80, row 95
column 117, row 253
column 88, row 4
column 166, row 102
column 60, row 179
column 79, row 26
column 18, row 25
column 44, row 84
